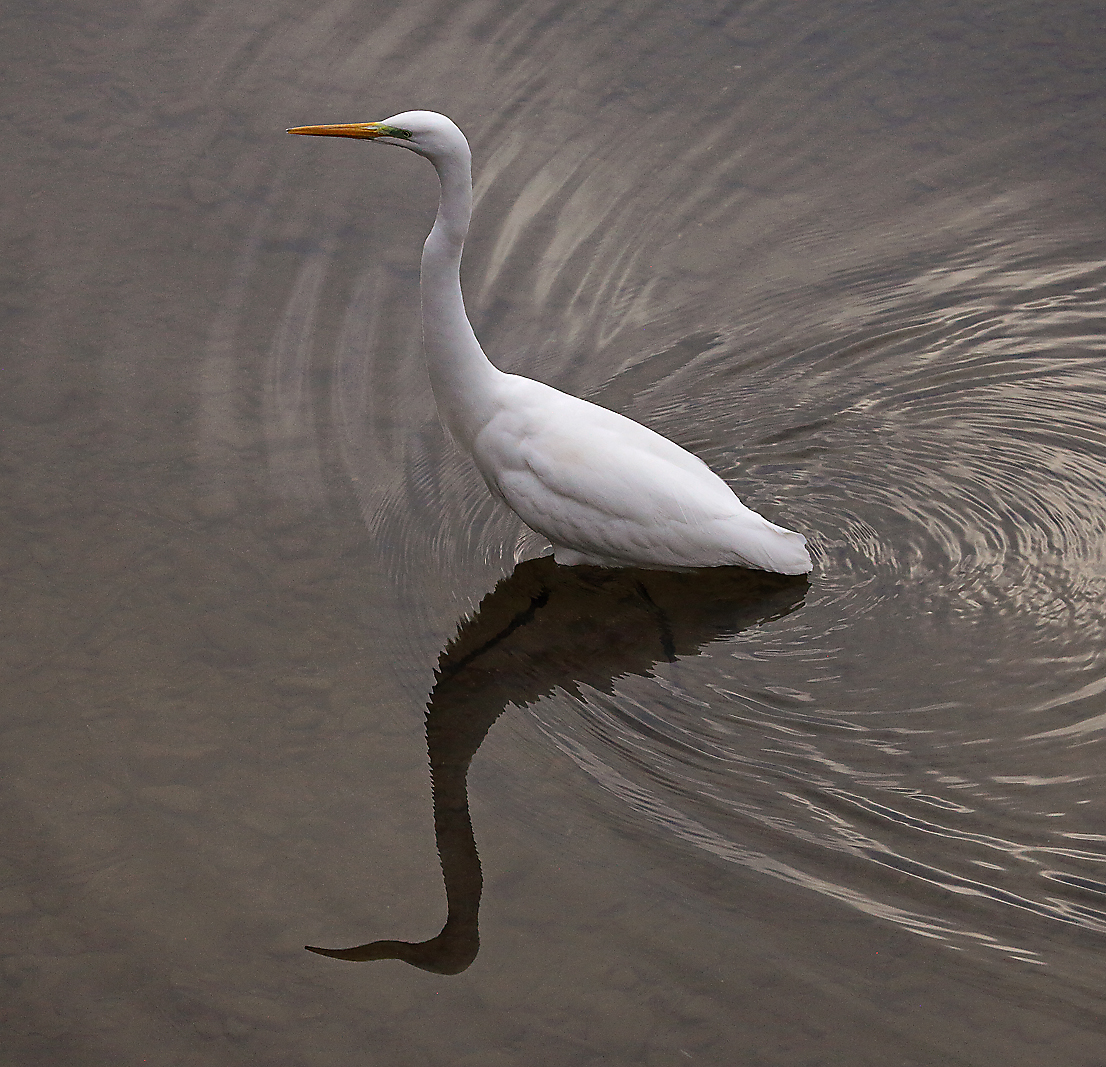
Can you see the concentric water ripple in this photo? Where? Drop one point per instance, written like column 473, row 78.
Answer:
column 946, row 458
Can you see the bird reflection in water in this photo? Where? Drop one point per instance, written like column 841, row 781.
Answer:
column 550, row 627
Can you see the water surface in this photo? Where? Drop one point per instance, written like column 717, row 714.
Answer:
column 850, row 254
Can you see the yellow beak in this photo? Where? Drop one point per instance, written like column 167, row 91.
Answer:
column 346, row 129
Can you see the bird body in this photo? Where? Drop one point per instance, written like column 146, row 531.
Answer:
column 602, row 488
column 606, row 490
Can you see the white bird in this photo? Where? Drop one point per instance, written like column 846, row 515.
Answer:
column 602, row 488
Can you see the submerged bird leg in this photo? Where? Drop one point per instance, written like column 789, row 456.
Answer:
column 668, row 642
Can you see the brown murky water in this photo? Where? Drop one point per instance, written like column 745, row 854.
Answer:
column 851, row 254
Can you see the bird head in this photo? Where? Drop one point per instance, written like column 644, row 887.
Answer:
column 426, row 132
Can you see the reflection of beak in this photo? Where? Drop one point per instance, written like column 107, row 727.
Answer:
column 345, row 129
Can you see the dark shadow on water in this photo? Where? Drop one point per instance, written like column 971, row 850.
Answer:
column 544, row 628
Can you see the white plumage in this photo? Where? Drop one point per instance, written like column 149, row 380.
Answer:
column 604, row 489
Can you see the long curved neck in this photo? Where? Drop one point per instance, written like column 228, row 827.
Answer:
column 461, row 375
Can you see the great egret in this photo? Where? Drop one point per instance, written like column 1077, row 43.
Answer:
column 605, row 490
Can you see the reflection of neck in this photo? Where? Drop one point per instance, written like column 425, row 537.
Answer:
column 469, row 696
column 455, row 727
